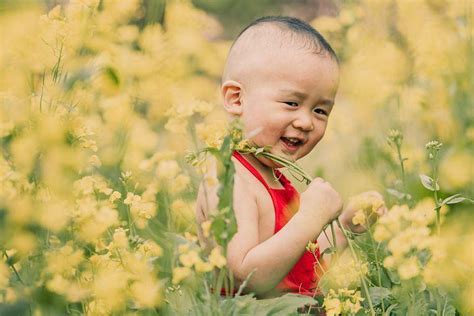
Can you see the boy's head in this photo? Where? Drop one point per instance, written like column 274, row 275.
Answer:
column 281, row 79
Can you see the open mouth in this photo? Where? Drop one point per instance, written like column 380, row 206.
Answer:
column 291, row 142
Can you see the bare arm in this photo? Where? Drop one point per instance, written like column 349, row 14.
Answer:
column 274, row 258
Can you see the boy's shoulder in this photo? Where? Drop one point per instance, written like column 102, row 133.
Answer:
column 246, row 186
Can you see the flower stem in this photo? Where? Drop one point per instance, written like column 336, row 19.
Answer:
column 354, row 254
column 13, row 268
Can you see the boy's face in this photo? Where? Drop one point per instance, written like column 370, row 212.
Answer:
column 288, row 100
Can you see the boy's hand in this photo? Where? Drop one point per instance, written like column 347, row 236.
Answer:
column 321, row 201
column 362, row 211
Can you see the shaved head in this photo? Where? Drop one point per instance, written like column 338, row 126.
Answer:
column 262, row 40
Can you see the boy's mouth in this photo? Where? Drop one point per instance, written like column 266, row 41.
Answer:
column 291, row 143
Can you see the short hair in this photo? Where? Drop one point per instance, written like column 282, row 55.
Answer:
column 297, row 26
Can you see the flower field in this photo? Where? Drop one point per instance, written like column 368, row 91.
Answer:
column 108, row 115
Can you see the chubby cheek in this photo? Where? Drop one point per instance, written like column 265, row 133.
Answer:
column 314, row 140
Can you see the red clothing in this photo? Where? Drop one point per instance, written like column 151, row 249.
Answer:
column 302, row 277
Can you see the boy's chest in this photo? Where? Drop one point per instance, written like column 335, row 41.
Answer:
column 264, row 203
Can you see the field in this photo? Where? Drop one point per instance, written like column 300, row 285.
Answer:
column 108, row 116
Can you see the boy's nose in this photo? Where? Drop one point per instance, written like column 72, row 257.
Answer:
column 303, row 122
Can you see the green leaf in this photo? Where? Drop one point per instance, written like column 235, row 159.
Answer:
column 378, row 294
column 389, row 310
column 112, row 74
column 287, row 304
column 448, row 310
column 393, row 277
column 428, row 182
column 453, row 199
column 399, row 195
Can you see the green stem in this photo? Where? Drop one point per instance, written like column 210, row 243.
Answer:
column 334, row 241
column 435, row 194
column 377, row 263
column 13, row 268
column 354, row 254
column 400, row 158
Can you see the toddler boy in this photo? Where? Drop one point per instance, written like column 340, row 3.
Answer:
column 280, row 80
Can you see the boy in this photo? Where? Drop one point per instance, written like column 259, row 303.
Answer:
column 280, row 81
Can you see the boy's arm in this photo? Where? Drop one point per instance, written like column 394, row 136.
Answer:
column 272, row 259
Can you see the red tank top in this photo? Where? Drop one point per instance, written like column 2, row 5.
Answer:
column 302, row 277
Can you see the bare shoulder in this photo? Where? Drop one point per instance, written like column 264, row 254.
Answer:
column 245, row 195
column 207, row 199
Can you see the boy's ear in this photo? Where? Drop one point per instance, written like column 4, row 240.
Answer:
column 232, row 94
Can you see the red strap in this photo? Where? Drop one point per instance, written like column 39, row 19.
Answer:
column 250, row 168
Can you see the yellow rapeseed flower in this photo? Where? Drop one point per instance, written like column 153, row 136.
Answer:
column 409, row 268
column 359, row 218
column 180, row 273
column 4, row 275
column 146, row 293
column 216, row 258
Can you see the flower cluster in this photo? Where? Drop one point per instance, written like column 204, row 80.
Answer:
column 409, row 237
column 343, row 302
column 191, row 261
column 344, row 272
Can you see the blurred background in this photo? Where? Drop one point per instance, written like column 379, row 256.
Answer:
column 103, row 96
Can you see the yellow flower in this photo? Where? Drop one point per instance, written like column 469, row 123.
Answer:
column 10, row 295
column 167, row 169
column 110, row 285
column 183, row 214
column 4, row 275
column 183, row 248
column 120, row 239
column 212, row 134
column 24, row 243
column 216, row 258
column 146, row 293
column 312, row 247
column 190, row 237
column 189, row 259
column 389, row 262
column 115, row 196
column 456, row 170
column 180, row 183
column 131, row 198
column 203, row 267
column 151, row 249
column 409, row 268
column 344, row 272
column 57, row 284
column 332, row 306
column 180, row 273
column 359, row 218
column 381, row 233
column 95, row 161
column 206, row 228
column 142, row 212
column 65, row 260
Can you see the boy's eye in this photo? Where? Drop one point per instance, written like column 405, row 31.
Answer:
column 320, row 111
column 292, row 103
